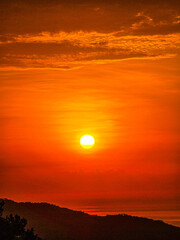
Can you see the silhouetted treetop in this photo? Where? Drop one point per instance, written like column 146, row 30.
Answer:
column 13, row 227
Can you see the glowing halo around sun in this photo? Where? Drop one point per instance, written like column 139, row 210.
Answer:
column 87, row 141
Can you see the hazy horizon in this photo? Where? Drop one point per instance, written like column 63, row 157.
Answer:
column 170, row 216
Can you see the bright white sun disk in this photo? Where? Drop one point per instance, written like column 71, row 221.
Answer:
column 87, row 141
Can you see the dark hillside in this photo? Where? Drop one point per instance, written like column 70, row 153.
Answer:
column 52, row 223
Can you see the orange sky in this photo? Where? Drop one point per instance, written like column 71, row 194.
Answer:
column 108, row 70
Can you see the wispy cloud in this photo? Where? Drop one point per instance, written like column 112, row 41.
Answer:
column 68, row 50
column 64, row 35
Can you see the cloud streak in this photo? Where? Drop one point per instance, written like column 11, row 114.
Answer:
column 62, row 35
column 68, row 50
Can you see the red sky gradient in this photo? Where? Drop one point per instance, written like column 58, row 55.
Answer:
column 110, row 70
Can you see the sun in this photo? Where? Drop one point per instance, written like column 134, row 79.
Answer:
column 87, row 141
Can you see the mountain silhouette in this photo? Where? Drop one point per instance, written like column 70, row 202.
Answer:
column 55, row 223
column 14, row 227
